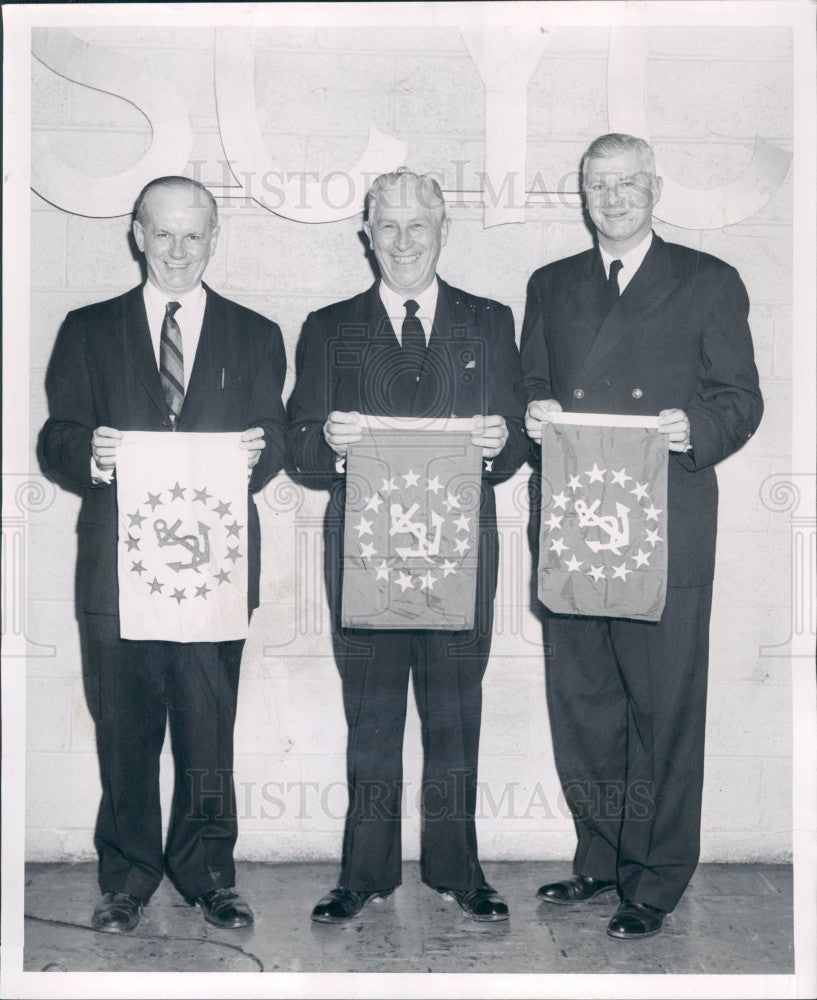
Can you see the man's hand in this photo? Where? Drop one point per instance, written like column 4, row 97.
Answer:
column 104, row 442
column 489, row 433
column 341, row 430
column 252, row 441
column 538, row 413
column 675, row 424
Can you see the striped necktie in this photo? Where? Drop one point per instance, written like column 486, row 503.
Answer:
column 171, row 362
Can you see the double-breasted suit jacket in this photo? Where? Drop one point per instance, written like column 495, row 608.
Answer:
column 103, row 372
column 678, row 337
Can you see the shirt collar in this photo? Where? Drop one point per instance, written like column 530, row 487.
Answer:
column 630, row 261
column 156, row 300
column 395, row 302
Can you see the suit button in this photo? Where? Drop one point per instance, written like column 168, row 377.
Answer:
column 637, row 393
column 578, row 393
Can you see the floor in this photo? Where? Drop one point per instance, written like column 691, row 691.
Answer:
column 732, row 919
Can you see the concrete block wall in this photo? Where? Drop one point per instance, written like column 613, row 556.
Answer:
column 709, row 93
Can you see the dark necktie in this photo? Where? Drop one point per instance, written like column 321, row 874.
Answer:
column 613, row 292
column 171, row 362
column 413, row 338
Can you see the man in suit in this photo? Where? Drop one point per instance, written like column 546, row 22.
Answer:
column 168, row 356
column 639, row 326
column 409, row 346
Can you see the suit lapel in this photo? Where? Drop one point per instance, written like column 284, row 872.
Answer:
column 209, row 356
column 650, row 285
column 139, row 347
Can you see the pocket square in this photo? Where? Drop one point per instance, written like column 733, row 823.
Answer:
column 471, row 364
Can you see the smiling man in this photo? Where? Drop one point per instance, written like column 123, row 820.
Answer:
column 168, row 356
column 409, row 346
column 639, row 326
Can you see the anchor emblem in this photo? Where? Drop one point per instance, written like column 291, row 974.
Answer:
column 402, row 523
column 616, row 527
column 197, row 546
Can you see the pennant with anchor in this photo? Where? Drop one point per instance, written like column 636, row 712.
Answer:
column 182, row 554
column 411, row 525
column 603, row 532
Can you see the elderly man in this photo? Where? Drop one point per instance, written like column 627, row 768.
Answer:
column 416, row 332
column 128, row 364
column 639, row 326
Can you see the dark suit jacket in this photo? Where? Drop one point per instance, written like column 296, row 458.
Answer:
column 103, row 372
column 677, row 337
column 349, row 359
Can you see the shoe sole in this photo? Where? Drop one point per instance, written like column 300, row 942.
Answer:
column 327, row 919
column 225, row 926
column 633, row 937
column 576, row 902
column 113, row 928
column 489, row 918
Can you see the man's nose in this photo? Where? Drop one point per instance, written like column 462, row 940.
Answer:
column 403, row 241
column 611, row 195
column 177, row 248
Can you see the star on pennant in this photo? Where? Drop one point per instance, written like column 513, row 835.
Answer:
column 620, row 477
column 233, row 529
column 434, row 486
column 154, row 500
column 641, row 558
column 403, row 581
column 427, row 582
column 363, row 527
column 137, row 567
column 202, row 591
column 451, row 502
column 573, row 564
column 222, row 509
column 233, row 553
column 596, row 572
column 558, row 546
column 389, row 485
column 136, row 520
column 462, row 545
column 575, row 483
column 202, row 495
column 640, row 491
column 596, row 475
column 222, row 576
column 367, row 550
column 462, row 523
column 383, row 571
column 374, row 503
column 448, row 567
column 411, row 478
column 178, row 595
column 132, row 543
column 554, row 522
column 651, row 513
column 155, row 586
column 653, row 536
column 560, row 500
column 621, row 572
column 176, row 493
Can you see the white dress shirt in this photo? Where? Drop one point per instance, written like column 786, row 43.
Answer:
column 630, row 261
column 395, row 306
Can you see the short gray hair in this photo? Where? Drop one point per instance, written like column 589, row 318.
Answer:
column 615, row 143
column 430, row 192
column 199, row 193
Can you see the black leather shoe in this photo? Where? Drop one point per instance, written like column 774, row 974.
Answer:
column 340, row 905
column 117, row 913
column 225, row 908
column 636, row 920
column 482, row 903
column 577, row 889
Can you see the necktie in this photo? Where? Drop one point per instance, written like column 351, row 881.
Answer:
column 171, row 362
column 612, row 282
column 413, row 338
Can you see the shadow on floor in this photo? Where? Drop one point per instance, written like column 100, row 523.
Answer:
column 733, row 919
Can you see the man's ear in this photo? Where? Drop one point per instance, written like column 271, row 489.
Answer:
column 139, row 235
column 444, row 227
column 367, row 229
column 657, row 187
